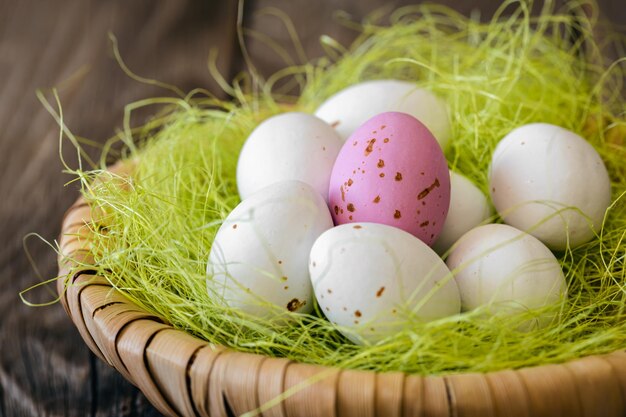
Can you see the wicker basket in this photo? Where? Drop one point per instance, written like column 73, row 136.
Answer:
column 183, row 375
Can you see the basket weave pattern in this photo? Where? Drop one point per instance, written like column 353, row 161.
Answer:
column 183, row 375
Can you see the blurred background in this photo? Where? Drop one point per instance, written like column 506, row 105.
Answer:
column 45, row 369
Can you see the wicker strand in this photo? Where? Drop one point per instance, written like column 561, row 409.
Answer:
column 617, row 360
column 199, row 374
column 435, row 402
column 389, row 391
column 218, row 403
column 74, row 305
column 168, row 359
column 356, row 394
column 271, row 377
column 470, row 395
column 241, row 391
column 132, row 345
column 413, row 396
column 598, row 386
column 316, row 394
column 510, row 397
column 551, row 391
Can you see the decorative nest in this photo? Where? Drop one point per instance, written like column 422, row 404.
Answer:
column 184, row 375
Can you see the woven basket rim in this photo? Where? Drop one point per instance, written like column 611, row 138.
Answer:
column 184, row 375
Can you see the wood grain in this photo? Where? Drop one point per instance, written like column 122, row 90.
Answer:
column 45, row 367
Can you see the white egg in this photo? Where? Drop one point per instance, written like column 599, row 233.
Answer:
column 551, row 183
column 507, row 269
column 259, row 258
column 468, row 208
column 368, row 278
column 289, row 146
column 350, row 108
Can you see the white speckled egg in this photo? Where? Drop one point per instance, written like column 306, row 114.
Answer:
column 511, row 270
column 259, row 258
column 367, row 277
column 468, row 208
column 289, row 146
column 550, row 182
column 350, row 108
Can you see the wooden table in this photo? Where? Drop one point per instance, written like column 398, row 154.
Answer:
column 45, row 369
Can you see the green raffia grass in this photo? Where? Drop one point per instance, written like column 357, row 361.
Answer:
column 495, row 76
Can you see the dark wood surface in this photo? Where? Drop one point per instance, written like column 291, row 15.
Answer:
column 45, row 369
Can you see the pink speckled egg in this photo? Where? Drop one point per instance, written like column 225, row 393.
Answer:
column 392, row 171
